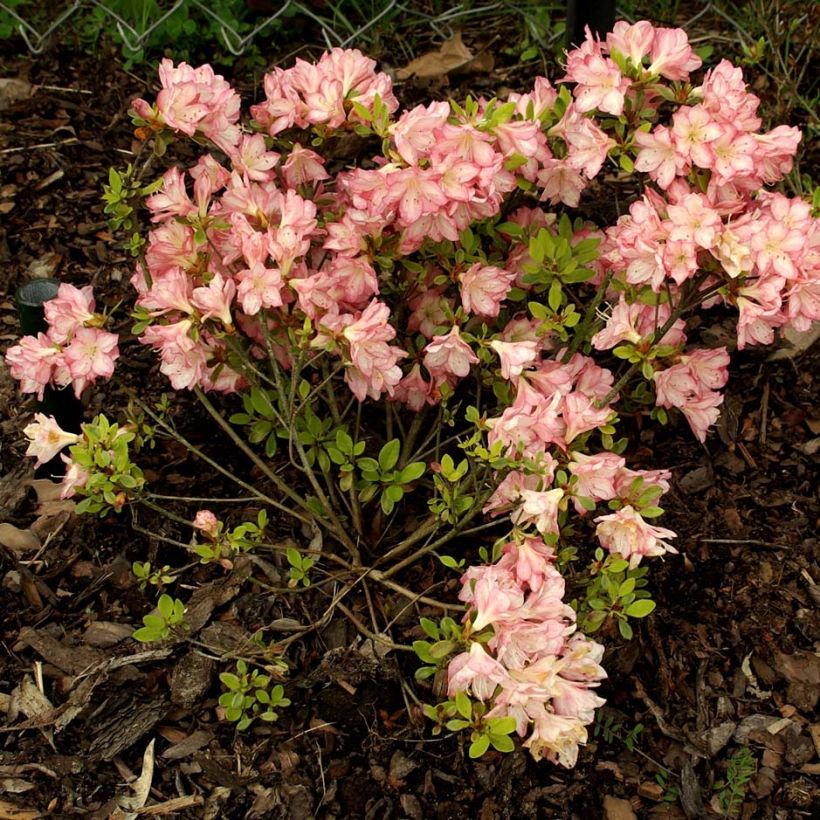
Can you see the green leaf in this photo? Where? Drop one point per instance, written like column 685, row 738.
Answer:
column 641, row 608
column 425, row 672
column 395, row 493
column 625, row 629
column 262, row 403
column 555, row 295
column 165, row 605
column 626, row 587
column 412, row 472
column 389, row 455
column 479, row 746
column 502, row 743
column 422, row 649
column 441, row 649
column 651, row 512
column 145, row 635
column 456, row 725
column 463, row 705
column 230, row 680
column 502, row 725
column 430, row 628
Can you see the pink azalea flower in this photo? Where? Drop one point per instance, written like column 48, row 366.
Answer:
column 214, row 300
column 449, row 355
column 303, row 166
column 539, row 508
column 70, row 309
column 32, row 362
column 91, row 355
column 75, row 478
column 671, row 56
column 475, row 671
column 515, row 356
column 595, row 475
column 633, row 41
column 205, row 521
column 495, row 595
column 46, row 438
column 581, row 415
column 659, row 157
column 627, row 534
column 484, row 288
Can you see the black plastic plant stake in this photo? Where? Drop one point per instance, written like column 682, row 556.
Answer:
column 61, row 403
column 599, row 15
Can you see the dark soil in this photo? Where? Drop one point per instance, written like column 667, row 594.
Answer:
column 728, row 661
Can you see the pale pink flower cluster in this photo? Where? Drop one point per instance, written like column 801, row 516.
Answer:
column 720, row 133
column 599, row 81
column 535, row 668
column 194, row 100
column 73, row 351
column 46, row 439
column 692, row 385
column 323, row 93
column 554, row 402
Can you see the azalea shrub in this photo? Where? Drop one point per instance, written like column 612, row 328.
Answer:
column 403, row 322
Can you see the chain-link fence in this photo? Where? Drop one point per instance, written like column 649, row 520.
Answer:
column 40, row 25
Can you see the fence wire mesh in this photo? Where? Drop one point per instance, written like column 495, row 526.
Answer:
column 41, row 24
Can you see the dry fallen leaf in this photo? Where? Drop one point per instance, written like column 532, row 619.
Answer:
column 12, row 90
column 141, row 786
column 451, row 55
column 11, row 811
column 48, row 497
column 106, row 633
column 17, row 540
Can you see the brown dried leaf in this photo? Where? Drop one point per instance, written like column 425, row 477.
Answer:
column 452, row 54
column 103, row 634
column 193, row 743
column 17, row 540
column 616, row 808
column 12, row 90
column 49, row 504
column 11, row 811
column 141, row 786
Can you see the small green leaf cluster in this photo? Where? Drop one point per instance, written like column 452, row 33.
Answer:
column 450, row 501
column 299, row 567
column 344, row 453
column 229, row 543
column 123, row 196
column 266, row 425
column 462, row 713
column 375, row 122
column 112, row 477
column 446, row 638
column 731, row 791
column 381, row 476
column 249, row 696
column 615, row 593
column 168, row 620
column 145, row 574
column 608, row 727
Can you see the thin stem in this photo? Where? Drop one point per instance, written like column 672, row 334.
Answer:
column 370, row 634
column 410, row 438
column 379, row 578
column 237, row 440
column 167, row 513
column 219, row 468
column 439, row 542
column 199, row 500
column 589, row 318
